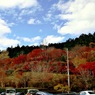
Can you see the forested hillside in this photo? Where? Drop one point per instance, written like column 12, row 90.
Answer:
column 46, row 67
column 82, row 40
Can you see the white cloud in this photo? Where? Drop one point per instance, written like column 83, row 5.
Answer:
column 26, row 12
column 52, row 39
column 17, row 10
column 30, row 40
column 47, row 17
column 37, row 38
column 33, row 21
column 79, row 16
column 26, row 39
column 4, row 41
column 4, row 28
column 29, row 11
column 17, row 3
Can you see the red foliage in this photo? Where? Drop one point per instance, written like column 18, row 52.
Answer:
column 56, row 54
column 90, row 66
column 26, row 67
column 84, row 51
column 62, row 69
column 20, row 59
column 51, row 69
column 34, row 53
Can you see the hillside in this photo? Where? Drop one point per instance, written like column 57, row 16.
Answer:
column 46, row 67
column 83, row 40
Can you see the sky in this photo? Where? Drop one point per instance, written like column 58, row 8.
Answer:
column 36, row 22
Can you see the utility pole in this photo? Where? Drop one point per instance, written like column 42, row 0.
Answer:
column 68, row 69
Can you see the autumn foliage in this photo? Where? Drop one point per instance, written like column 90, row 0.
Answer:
column 47, row 68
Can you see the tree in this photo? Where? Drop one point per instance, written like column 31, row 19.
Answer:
column 4, row 55
column 86, row 75
column 26, row 76
column 61, row 88
column 2, row 77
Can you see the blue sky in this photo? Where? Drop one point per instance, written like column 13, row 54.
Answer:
column 35, row 22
